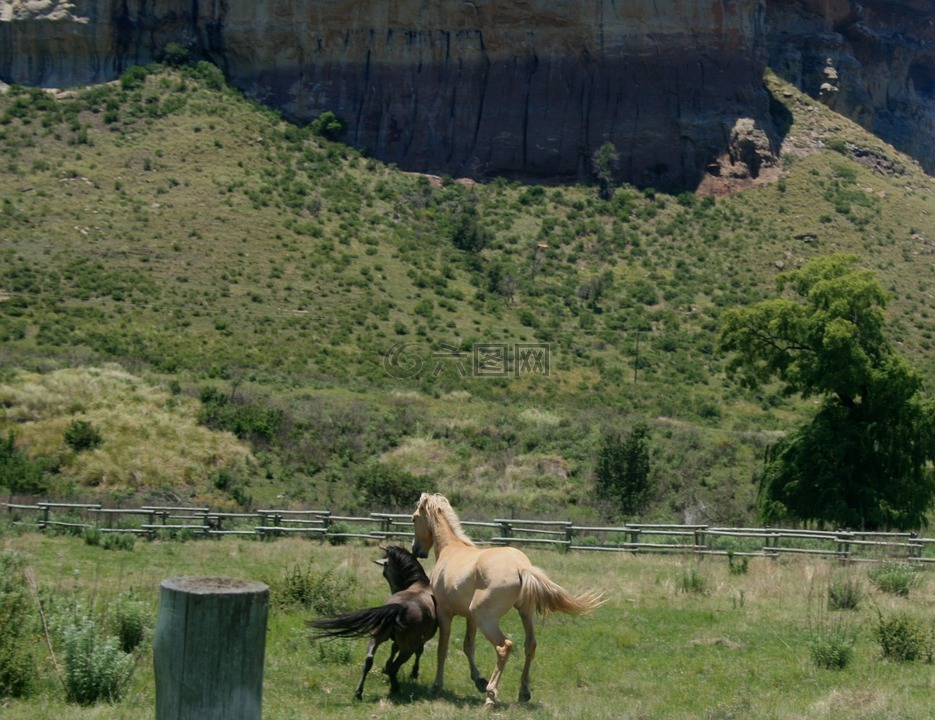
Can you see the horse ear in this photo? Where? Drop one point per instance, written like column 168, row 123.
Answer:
column 382, row 561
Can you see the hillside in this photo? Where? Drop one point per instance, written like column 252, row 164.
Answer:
column 337, row 313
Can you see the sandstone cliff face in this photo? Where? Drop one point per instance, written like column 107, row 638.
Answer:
column 528, row 88
column 522, row 89
column 873, row 62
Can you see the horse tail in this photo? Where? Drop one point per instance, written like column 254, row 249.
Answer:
column 539, row 593
column 360, row 623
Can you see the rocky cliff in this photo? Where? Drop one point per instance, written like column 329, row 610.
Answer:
column 873, row 62
column 526, row 89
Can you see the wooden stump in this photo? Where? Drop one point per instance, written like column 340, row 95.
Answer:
column 208, row 648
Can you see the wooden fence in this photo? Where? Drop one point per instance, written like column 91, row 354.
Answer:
column 174, row 521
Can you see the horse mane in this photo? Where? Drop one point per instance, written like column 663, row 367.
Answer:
column 408, row 569
column 439, row 505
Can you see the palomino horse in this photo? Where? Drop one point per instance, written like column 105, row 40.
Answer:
column 407, row 618
column 481, row 585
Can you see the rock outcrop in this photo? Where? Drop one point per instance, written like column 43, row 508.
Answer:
column 873, row 62
column 526, row 89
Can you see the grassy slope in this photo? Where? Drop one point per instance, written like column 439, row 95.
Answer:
column 195, row 238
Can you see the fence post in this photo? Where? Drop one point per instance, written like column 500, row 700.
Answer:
column 208, row 648
column 844, row 546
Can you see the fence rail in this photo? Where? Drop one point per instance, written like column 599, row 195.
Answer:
column 172, row 521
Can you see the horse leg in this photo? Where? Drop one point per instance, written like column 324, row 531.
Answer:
column 470, row 637
column 444, row 634
column 368, row 663
column 393, row 669
column 504, row 647
column 415, row 665
column 394, row 648
column 529, row 625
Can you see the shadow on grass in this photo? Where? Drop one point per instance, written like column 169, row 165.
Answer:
column 413, row 692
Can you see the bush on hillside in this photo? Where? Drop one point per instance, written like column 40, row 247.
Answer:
column 389, row 487
column 19, row 473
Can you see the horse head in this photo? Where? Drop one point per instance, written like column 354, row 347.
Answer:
column 422, row 528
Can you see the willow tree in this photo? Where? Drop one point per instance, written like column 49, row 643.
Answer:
column 864, row 459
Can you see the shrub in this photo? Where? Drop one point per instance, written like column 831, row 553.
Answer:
column 211, row 74
column 134, row 77
column 82, row 435
column 92, row 536
column 466, row 231
column 19, row 473
column 903, row 638
column 388, row 487
column 130, row 624
column 844, row 593
column 336, row 533
column 327, row 593
column 175, row 54
column 692, row 581
column 329, row 126
column 96, row 669
column 118, row 541
column 336, row 651
column 893, row 578
column 832, row 648
column 16, row 658
column 247, row 420
column 737, row 568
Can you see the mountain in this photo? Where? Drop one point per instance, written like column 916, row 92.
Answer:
column 527, row 90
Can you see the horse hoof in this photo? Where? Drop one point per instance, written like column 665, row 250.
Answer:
column 481, row 684
column 358, row 696
column 491, row 703
column 525, row 696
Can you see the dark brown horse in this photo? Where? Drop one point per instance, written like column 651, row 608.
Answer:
column 407, row 618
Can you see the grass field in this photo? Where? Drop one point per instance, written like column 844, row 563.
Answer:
column 676, row 638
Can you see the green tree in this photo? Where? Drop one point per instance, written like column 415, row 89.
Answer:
column 467, row 232
column 175, row 54
column 863, row 460
column 604, row 163
column 329, row 126
column 623, row 469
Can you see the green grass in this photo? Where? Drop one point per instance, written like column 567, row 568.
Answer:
column 197, row 240
column 741, row 649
